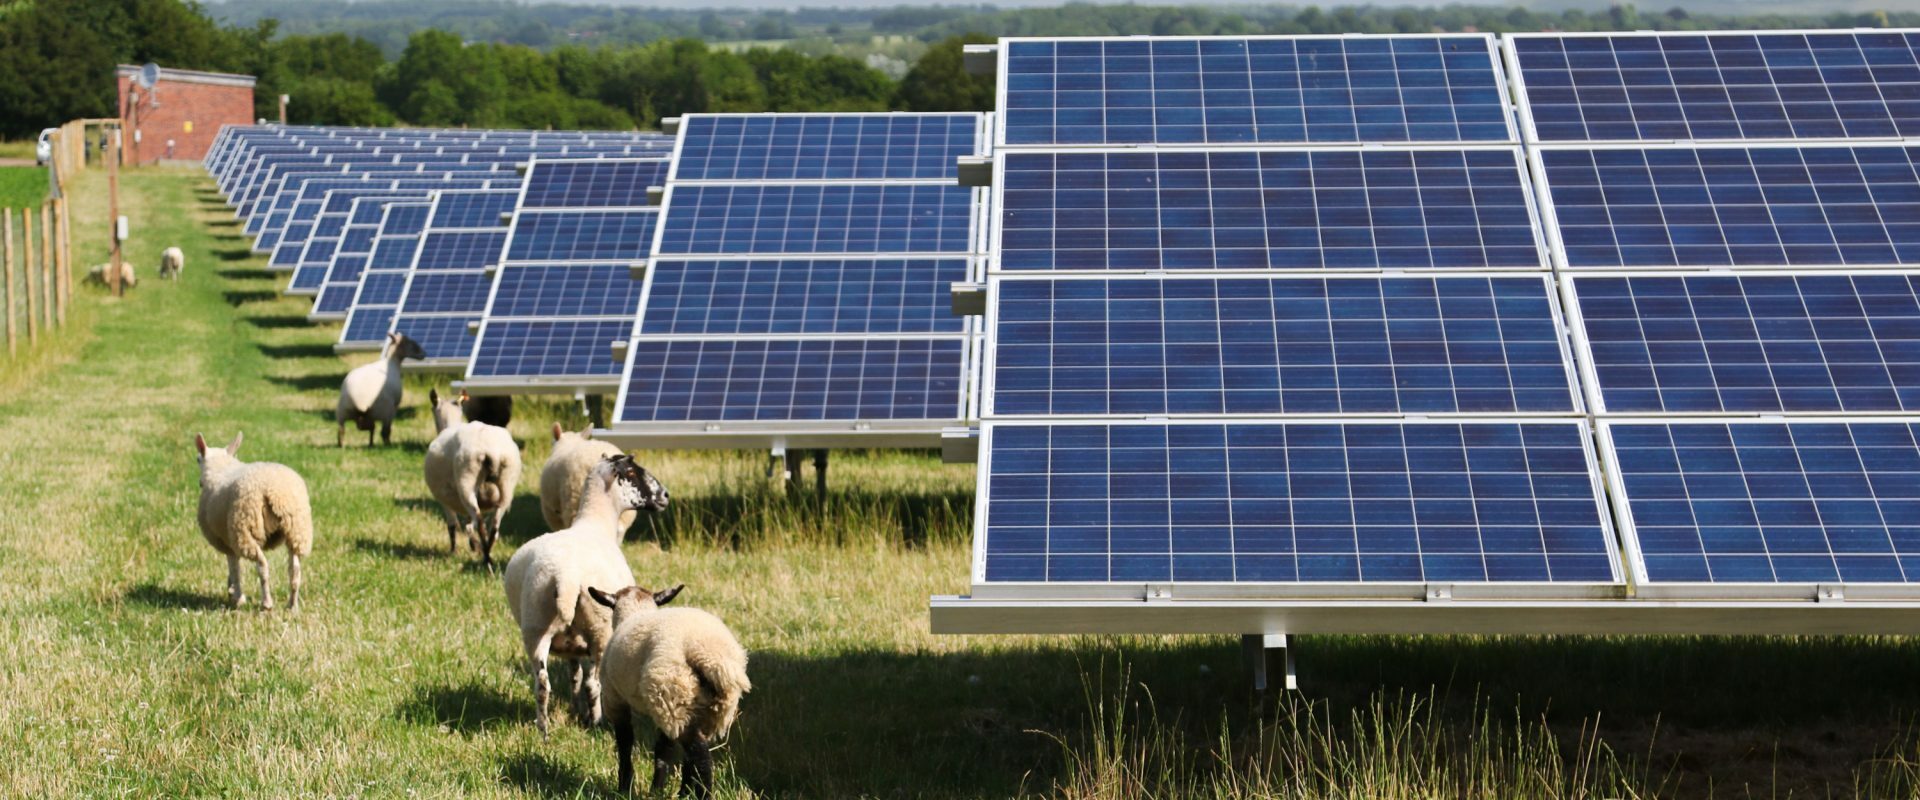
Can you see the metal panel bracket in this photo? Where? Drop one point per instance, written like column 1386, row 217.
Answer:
column 976, row 170
column 960, row 445
column 1830, row 593
column 968, row 299
column 1439, row 592
column 979, row 59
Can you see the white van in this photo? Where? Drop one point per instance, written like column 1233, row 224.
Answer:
column 43, row 149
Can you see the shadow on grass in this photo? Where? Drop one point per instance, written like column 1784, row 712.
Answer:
column 309, row 383
column 542, row 776
column 244, row 274
column 278, row 351
column 154, row 595
column 235, row 254
column 276, row 321
column 468, row 709
column 417, row 551
column 736, row 519
column 243, row 297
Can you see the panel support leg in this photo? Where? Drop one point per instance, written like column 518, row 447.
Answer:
column 1264, row 652
column 793, row 472
column 820, row 473
column 593, row 405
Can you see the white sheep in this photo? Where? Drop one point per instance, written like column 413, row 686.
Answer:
column 547, row 582
column 472, row 468
column 248, row 509
column 97, row 275
column 172, row 262
column 371, row 392
column 574, row 457
column 683, row 670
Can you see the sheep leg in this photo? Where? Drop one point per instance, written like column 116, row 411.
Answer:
column 623, row 746
column 266, row 593
column 386, row 433
column 453, row 531
column 293, row 581
column 586, row 696
column 662, row 764
column 470, row 510
column 696, row 768
column 537, row 648
column 340, row 434
column 234, row 596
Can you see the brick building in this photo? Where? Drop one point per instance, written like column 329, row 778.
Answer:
column 186, row 107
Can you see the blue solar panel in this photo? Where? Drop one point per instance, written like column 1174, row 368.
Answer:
column 405, row 218
column 382, row 288
column 1772, row 503
column 394, row 252
column 521, row 348
column 441, row 337
column 358, row 239
column 748, row 220
column 472, row 209
column 803, row 296
column 1266, row 210
column 1736, row 206
column 578, row 290
column 1294, row 503
column 824, row 146
column 1722, row 85
column 329, row 225
column 1754, row 343
column 816, row 379
column 367, row 325
column 603, row 184
column 336, row 296
column 458, row 250
column 1259, row 346
column 1243, row 90
column 582, row 235
column 447, row 292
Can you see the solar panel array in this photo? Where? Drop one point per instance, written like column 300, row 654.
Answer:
column 377, row 298
column 445, row 290
column 565, row 292
column 795, row 293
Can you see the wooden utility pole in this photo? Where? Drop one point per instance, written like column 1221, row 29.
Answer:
column 113, row 216
column 6, row 233
column 26, row 262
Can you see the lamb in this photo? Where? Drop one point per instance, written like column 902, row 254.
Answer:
column 472, row 469
column 547, row 579
column 371, row 392
column 98, row 274
column 561, row 480
column 172, row 263
column 248, row 509
column 683, row 670
column 495, row 410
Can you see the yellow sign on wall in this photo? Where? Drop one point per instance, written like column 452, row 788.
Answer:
column 188, row 125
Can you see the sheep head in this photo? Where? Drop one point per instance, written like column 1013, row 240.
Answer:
column 633, row 600
column 630, row 485
column 216, row 458
column 562, row 434
column 446, row 413
column 403, row 347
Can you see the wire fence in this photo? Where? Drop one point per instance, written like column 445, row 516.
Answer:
column 36, row 255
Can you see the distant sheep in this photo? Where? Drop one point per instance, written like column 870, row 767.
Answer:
column 683, row 670
column 495, row 410
column 98, row 274
column 248, row 509
column 371, row 392
column 472, row 469
column 547, row 581
column 172, row 262
column 561, row 480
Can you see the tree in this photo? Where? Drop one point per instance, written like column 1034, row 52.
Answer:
column 940, row 81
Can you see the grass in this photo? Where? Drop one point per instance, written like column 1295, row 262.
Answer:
column 22, row 187
column 124, row 675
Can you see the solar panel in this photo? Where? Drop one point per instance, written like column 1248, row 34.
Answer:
column 1295, row 503
column 771, row 147
column 802, row 296
column 447, row 287
column 1194, row 345
column 437, row 292
column 459, row 249
column 377, row 297
column 336, row 295
column 1704, row 86
column 576, row 184
column 822, row 219
column 1760, row 502
column 1246, row 90
column 472, row 209
column 1780, row 206
column 582, row 235
column 1268, row 209
column 554, row 290
column 523, row 348
column 787, row 380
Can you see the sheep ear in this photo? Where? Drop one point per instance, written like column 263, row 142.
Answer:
column 463, row 397
column 556, row 431
column 233, row 447
column 200, row 443
column 666, row 596
column 585, row 433
column 601, row 597
column 433, row 397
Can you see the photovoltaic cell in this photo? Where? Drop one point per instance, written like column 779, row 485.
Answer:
column 753, row 220
column 1266, row 210
column 446, row 292
column 578, row 290
column 1736, row 206
column 472, row 209
column 779, row 147
column 382, row 288
column 1272, row 346
column 1838, row 84
column 803, row 296
column 1253, row 90
column 1246, row 502
column 1773, row 502
column 1715, row 343
column 367, row 325
column 814, row 379
column 582, row 235
column 522, row 348
column 459, row 249
column 441, row 337
column 602, row 184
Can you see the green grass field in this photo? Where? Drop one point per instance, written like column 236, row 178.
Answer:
column 125, row 676
column 22, row 187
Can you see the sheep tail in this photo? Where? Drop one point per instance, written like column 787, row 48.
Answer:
column 489, row 490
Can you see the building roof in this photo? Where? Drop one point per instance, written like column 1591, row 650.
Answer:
column 193, row 76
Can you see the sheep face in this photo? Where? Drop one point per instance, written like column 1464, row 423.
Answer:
column 214, row 459
column 633, row 600
column 631, row 486
column 403, row 347
column 446, row 413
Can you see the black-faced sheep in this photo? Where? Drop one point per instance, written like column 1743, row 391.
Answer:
column 472, row 469
column 561, row 480
column 371, row 392
column 172, row 262
column 248, row 509
column 547, row 582
column 680, row 668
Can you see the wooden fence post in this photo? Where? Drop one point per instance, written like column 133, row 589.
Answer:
column 6, row 233
column 49, row 307
column 26, row 264
column 66, row 249
column 60, row 295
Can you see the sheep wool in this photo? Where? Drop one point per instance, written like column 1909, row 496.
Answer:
column 472, row 469
column 547, row 581
column 683, row 670
column 248, row 509
column 563, row 479
column 371, row 392
column 172, row 263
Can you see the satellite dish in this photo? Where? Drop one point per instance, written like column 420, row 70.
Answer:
column 149, row 75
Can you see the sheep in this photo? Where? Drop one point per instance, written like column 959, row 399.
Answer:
column 98, row 274
column 574, row 456
column 172, row 263
column 683, row 670
column 248, row 509
column 546, row 582
column 371, row 392
column 472, row 469
column 496, row 410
